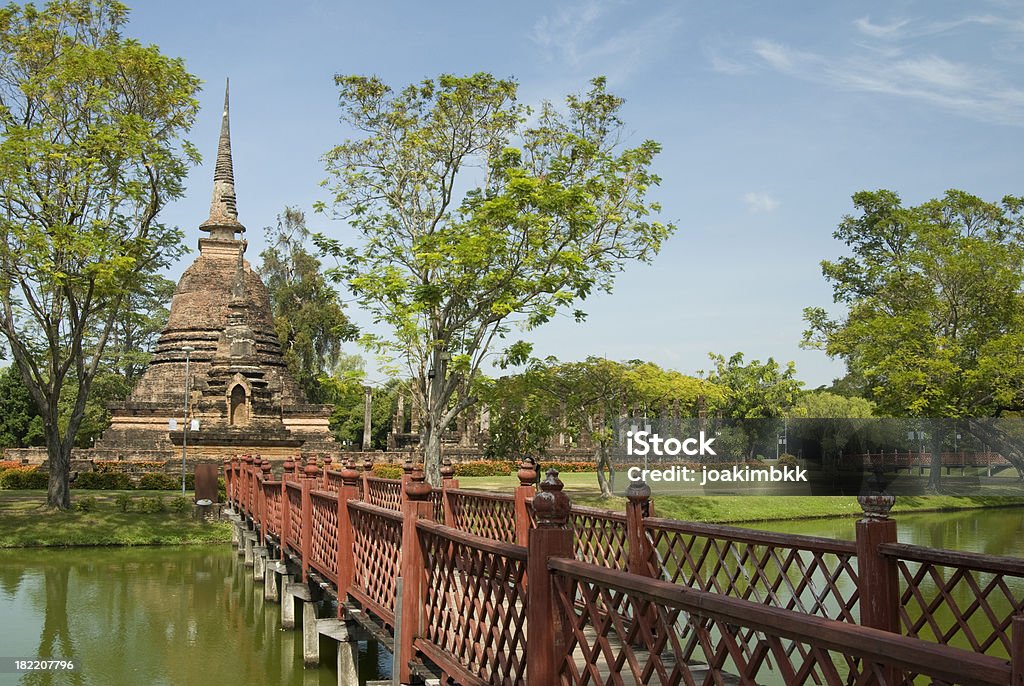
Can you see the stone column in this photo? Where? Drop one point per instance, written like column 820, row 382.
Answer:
column 485, row 420
column 398, row 426
column 367, row 416
column 417, row 409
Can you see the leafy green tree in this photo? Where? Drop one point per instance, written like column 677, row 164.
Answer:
column 90, row 152
column 593, row 393
column 473, row 216
column 308, row 315
column 755, row 390
column 347, row 418
column 934, row 320
column 17, row 410
column 522, row 414
column 819, row 416
column 829, row 405
column 136, row 330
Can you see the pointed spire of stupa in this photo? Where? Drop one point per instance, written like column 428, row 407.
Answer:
column 223, row 221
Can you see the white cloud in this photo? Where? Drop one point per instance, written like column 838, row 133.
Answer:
column 599, row 36
column 982, row 94
column 723, row 65
column 760, row 203
column 893, row 30
column 784, row 58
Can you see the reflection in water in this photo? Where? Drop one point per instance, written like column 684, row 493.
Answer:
column 189, row 615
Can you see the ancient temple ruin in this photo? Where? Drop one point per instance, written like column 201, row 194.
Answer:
column 240, row 390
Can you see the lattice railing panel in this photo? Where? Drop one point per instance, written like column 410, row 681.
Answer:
column 376, row 552
column 961, row 599
column 437, row 502
column 294, row 494
column 324, row 540
column 489, row 515
column 475, row 603
column 810, row 575
column 332, row 482
column 600, row 536
column 621, row 631
column 386, row 493
column 272, row 497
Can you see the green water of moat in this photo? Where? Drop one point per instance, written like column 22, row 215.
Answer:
column 152, row 617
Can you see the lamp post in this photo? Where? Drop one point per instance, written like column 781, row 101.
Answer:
column 184, row 437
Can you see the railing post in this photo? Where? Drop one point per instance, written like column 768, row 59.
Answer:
column 877, row 574
column 526, row 489
column 349, row 491
column 552, row 537
column 448, row 480
column 367, row 473
column 312, row 475
column 1017, row 651
column 251, row 488
column 327, row 467
column 638, row 506
column 407, row 467
column 227, row 480
column 416, row 505
column 265, row 469
column 286, row 516
column 246, row 461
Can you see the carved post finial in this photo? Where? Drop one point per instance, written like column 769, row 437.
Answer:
column 447, row 471
column 639, row 493
column 417, row 488
column 527, row 472
column 350, row 475
column 551, row 505
column 875, row 501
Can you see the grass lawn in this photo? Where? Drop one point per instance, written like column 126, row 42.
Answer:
column 582, row 489
column 25, row 522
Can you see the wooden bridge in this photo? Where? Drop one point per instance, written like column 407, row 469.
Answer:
column 481, row 588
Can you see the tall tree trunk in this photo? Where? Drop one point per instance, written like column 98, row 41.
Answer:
column 601, row 458
column 58, row 495
column 432, row 451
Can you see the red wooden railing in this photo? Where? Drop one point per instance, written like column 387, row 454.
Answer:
column 634, row 594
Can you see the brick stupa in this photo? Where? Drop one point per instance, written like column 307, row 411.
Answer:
column 245, row 399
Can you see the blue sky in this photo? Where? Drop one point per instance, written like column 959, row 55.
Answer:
column 770, row 116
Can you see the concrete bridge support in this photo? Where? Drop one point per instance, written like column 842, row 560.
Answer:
column 273, row 571
column 289, row 594
column 259, row 562
column 310, row 637
column 250, row 542
column 348, row 650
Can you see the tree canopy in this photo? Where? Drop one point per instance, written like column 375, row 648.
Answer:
column 309, row 319
column 934, row 320
column 90, row 152
column 472, row 216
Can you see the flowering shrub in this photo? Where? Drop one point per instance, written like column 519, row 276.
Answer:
column 485, row 468
column 387, row 471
